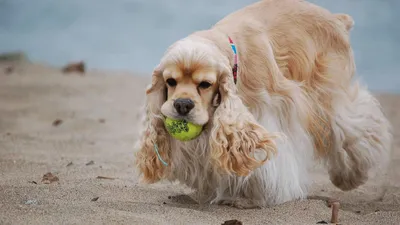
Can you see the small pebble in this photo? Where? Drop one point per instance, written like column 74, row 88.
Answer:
column 49, row 178
column 232, row 222
column 57, row 122
column 31, row 202
column 95, row 199
column 91, row 162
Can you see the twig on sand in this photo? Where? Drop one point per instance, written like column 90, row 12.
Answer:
column 327, row 200
column 106, row 178
column 335, row 212
column 91, row 162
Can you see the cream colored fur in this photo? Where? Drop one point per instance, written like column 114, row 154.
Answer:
column 296, row 102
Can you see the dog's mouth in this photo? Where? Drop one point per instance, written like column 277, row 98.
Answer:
column 196, row 115
column 187, row 118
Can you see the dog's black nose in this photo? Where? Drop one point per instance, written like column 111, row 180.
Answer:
column 183, row 105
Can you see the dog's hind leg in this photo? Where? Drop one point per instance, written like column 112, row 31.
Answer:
column 362, row 139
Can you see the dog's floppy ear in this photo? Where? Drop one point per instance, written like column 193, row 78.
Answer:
column 154, row 133
column 238, row 143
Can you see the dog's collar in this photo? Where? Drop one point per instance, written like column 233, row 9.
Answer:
column 235, row 60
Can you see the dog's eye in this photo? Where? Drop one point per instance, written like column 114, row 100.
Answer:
column 171, row 82
column 204, row 85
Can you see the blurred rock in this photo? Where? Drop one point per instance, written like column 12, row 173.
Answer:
column 8, row 70
column 49, row 178
column 74, row 67
column 13, row 56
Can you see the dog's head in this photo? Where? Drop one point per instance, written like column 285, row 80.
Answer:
column 188, row 78
column 194, row 81
column 190, row 91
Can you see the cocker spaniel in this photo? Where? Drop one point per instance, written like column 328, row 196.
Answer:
column 273, row 85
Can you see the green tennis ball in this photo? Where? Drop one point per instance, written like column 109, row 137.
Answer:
column 182, row 129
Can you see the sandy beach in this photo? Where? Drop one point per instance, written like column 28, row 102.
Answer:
column 82, row 128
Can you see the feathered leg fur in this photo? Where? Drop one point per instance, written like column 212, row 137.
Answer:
column 362, row 139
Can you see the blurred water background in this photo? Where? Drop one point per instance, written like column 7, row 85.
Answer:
column 133, row 34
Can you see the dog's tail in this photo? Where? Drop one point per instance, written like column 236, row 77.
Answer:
column 346, row 19
column 362, row 139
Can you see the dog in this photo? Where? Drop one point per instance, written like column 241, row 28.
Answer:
column 274, row 86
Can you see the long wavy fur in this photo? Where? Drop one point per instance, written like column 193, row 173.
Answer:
column 236, row 135
column 295, row 82
column 154, row 133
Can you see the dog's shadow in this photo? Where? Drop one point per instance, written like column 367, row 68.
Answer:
column 188, row 202
column 182, row 199
column 175, row 201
